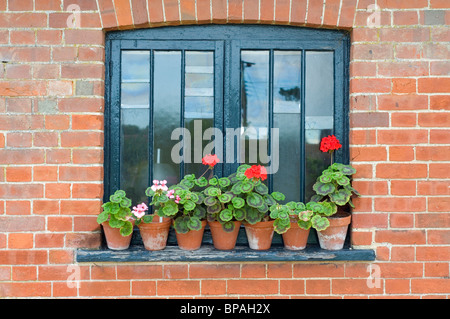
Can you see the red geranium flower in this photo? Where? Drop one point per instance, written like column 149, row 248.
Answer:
column 330, row 143
column 210, row 160
column 256, row 171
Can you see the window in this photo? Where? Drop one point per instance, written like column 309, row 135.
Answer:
column 276, row 89
column 253, row 84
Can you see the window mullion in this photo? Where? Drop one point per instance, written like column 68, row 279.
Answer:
column 302, row 126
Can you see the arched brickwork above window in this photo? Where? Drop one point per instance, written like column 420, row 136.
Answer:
column 124, row 14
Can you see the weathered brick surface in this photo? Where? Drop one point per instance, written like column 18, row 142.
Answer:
column 51, row 149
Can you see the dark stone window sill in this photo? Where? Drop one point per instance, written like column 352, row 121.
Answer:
column 207, row 253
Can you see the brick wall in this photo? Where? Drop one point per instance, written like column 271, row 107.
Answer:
column 51, row 157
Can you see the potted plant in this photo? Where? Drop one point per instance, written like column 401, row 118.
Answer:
column 334, row 186
column 222, row 208
column 154, row 228
column 254, row 204
column 117, row 221
column 293, row 222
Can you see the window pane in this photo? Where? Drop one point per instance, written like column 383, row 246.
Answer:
column 166, row 113
column 254, row 106
column 134, row 123
column 319, row 113
column 286, row 118
column 198, row 104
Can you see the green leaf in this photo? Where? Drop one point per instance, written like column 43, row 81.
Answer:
column 149, row 192
column 348, row 170
column 280, row 227
column 304, row 224
column 170, row 209
column 238, row 202
column 120, row 193
column 123, row 213
column 125, row 202
column 252, row 216
column 237, row 188
column 320, row 223
column 209, row 201
column 163, row 198
column 212, row 191
column 194, row 223
column 199, row 212
column 225, row 198
column 187, row 183
column 269, row 200
column 274, row 213
column 147, row 219
column 213, row 181
column 213, row 209
column 239, row 214
column 246, row 187
column 228, row 226
column 115, row 223
column 264, row 208
column 324, row 189
column 115, row 198
column 262, row 189
column 325, row 178
column 340, row 197
column 226, row 215
column 202, row 181
column 126, row 229
column 189, row 205
column 180, row 224
column 300, row 206
column 278, row 196
column 255, row 200
column 224, row 182
column 102, row 217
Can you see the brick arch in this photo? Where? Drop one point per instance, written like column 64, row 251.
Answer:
column 124, row 14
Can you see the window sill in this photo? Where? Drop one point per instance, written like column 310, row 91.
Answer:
column 207, row 252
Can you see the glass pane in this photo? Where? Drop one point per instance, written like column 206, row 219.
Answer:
column 254, row 106
column 135, row 66
column 198, row 105
column 166, row 113
column 319, row 111
column 286, row 118
column 134, row 153
column 286, row 81
column 134, row 123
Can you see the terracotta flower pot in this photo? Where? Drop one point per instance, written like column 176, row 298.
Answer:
column 114, row 239
column 333, row 237
column 295, row 238
column 260, row 235
column 223, row 240
column 191, row 240
column 154, row 235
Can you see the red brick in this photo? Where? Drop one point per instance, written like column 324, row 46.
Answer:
column 171, row 11
column 23, row 257
column 371, row 187
column 331, row 13
column 25, row 289
column 267, row 10
column 45, row 139
column 438, row 204
column 87, row 122
column 20, row 5
column 408, row 137
column 402, row 220
column 402, row 253
column 18, row 174
column 88, row 156
column 139, row 271
column 282, row 10
column 20, row 241
column 49, row 240
column 45, row 173
column 80, row 105
column 368, row 154
column 87, row 191
column 436, row 270
column 19, row 139
column 433, row 85
column 430, row 253
column 123, row 14
column 81, row 139
column 104, row 288
column 47, row 5
column 370, row 85
column 362, row 220
column 83, row 240
column 22, row 88
column 348, row 8
column 143, row 288
column 21, row 191
column 279, row 271
column 178, row 288
column 354, row 287
column 26, row 273
column 441, row 119
column 59, row 223
column 298, row 12
column 292, row 287
column 401, row 153
column 252, row 287
column 46, row 207
column 18, row 207
column 214, row 287
column 392, row 171
column 402, row 102
column 403, row 187
column 401, row 237
column 80, row 173
column 319, row 286
column 439, row 170
column 439, row 237
column 440, row 102
column 427, row 286
column 57, row 156
column 23, row 20
column 395, row 204
column 433, row 187
column 214, row 271
column 314, row 15
column 155, row 11
column 187, row 9
column 404, row 34
column 404, row 85
column 203, row 11
column 175, row 271
column 80, row 207
column 369, row 119
column 318, row 270
column 406, row 18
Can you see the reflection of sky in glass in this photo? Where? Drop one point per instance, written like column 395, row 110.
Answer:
column 286, row 87
column 255, row 66
column 135, row 66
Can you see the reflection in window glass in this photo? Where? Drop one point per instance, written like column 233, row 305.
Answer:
column 134, row 128
column 166, row 113
column 198, row 104
column 286, row 118
column 254, row 106
column 319, row 113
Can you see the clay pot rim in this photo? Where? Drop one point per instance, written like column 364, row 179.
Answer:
column 340, row 219
column 163, row 224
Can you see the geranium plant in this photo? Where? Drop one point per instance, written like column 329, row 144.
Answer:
column 118, row 213
column 334, row 184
